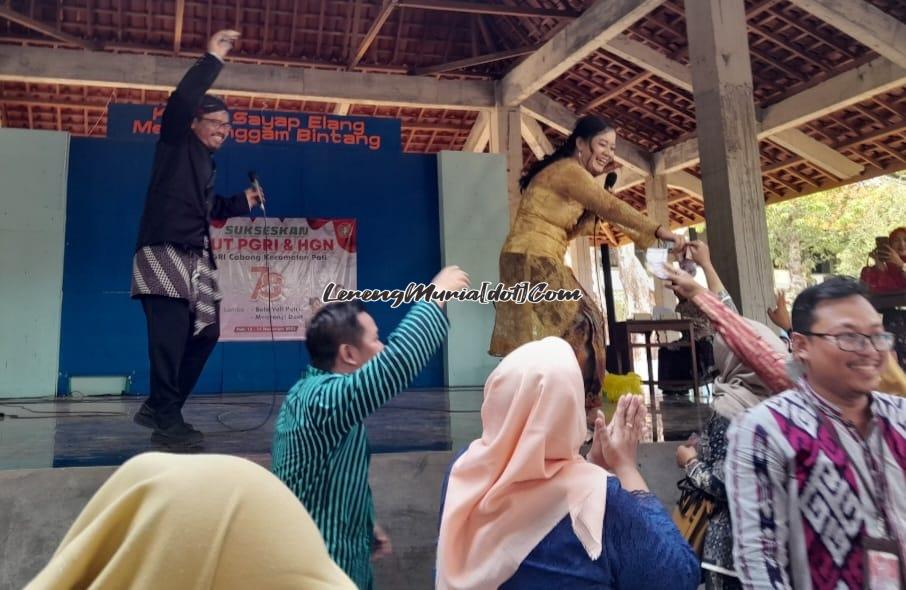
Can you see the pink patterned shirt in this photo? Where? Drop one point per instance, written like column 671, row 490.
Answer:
column 800, row 502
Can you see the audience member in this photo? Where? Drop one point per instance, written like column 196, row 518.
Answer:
column 320, row 446
column 888, row 275
column 737, row 388
column 522, row 509
column 184, row 522
column 815, row 475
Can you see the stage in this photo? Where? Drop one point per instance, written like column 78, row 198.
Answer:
column 98, row 431
column 57, row 452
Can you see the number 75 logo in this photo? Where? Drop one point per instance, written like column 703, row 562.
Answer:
column 268, row 286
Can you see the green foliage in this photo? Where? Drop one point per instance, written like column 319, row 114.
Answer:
column 839, row 225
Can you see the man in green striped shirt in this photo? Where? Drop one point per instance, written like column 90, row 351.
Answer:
column 320, row 447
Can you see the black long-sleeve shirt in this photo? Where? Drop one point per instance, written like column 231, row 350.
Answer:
column 180, row 201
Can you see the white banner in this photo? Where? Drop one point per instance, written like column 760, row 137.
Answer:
column 302, row 257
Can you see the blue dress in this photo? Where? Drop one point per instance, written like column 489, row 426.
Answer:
column 643, row 550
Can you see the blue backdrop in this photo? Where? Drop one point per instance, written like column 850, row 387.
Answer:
column 393, row 197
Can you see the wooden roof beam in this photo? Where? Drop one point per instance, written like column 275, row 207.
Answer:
column 628, row 179
column 45, row 29
column 689, row 184
column 872, row 172
column 652, row 60
column 869, row 137
column 177, row 28
column 48, row 66
column 843, row 90
column 820, row 154
column 473, row 61
column 365, row 44
column 551, row 113
column 856, row 85
column 491, row 9
column 608, row 235
column 142, row 49
column 604, row 21
column 480, row 134
column 867, row 24
column 534, row 136
column 681, row 75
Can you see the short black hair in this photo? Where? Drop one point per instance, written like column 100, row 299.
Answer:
column 210, row 104
column 333, row 325
column 832, row 289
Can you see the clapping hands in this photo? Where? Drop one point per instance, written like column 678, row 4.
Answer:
column 614, row 445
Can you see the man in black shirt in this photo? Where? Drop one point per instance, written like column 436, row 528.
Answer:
column 173, row 268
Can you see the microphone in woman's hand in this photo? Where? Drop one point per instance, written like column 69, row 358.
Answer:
column 610, row 180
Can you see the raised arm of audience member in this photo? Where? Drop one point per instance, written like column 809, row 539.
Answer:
column 780, row 313
column 701, row 255
column 745, row 343
column 359, row 394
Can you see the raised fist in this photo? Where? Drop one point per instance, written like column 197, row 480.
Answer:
column 222, row 42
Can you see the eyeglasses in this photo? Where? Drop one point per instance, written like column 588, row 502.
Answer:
column 217, row 124
column 855, row 342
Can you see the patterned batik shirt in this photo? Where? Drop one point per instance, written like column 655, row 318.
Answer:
column 168, row 270
column 801, row 498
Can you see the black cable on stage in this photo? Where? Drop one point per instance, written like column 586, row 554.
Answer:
column 48, row 414
column 253, row 178
column 106, row 399
column 205, row 399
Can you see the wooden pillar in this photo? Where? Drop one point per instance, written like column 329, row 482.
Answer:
column 506, row 139
column 657, row 203
column 728, row 144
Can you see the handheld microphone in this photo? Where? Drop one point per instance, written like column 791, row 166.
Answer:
column 253, row 178
column 610, row 180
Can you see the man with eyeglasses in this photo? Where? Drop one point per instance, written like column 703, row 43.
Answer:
column 173, row 268
column 815, row 475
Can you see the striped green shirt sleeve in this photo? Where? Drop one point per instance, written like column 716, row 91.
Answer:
column 359, row 394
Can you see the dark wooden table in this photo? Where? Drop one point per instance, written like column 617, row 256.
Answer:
column 647, row 327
